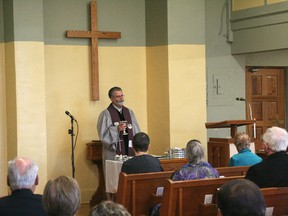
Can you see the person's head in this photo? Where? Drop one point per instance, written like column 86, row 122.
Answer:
column 141, row 142
column 275, row 139
column 22, row 174
column 61, row 196
column 116, row 96
column 194, row 151
column 109, row 208
column 241, row 141
column 240, row 197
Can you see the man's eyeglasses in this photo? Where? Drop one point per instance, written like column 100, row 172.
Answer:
column 119, row 96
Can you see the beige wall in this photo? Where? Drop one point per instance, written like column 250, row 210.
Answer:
column 3, row 127
column 187, row 87
column 275, row 1
column 176, row 95
column 68, row 88
column 26, row 106
column 158, row 98
column 52, row 79
column 245, row 4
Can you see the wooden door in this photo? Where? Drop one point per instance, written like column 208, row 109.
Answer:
column 265, row 93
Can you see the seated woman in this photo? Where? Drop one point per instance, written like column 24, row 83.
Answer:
column 244, row 157
column 197, row 168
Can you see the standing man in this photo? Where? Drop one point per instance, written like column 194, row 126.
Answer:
column 116, row 127
column 22, row 180
column 272, row 172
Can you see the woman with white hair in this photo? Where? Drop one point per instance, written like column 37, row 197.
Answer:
column 196, row 168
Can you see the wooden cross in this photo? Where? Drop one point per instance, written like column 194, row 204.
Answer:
column 94, row 34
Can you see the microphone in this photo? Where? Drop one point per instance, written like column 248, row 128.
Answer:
column 69, row 114
column 250, row 109
column 240, row 99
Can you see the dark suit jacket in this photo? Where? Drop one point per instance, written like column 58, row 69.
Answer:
column 272, row 172
column 22, row 203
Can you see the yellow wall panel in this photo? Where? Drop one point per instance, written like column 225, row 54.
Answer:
column 3, row 127
column 158, row 98
column 275, row 1
column 26, row 107
column 187, row 87
column 245, row 4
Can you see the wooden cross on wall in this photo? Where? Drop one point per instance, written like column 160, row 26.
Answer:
column 94, row 34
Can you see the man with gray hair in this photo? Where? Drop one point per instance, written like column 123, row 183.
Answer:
column 272, row 172
column 116, row 127
column 22, row 179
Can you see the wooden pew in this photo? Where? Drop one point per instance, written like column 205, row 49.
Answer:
column 275, row 200
column 276, row 197
column 135, row 190
column 184, row 197
column 173, row 164
column 232, row 171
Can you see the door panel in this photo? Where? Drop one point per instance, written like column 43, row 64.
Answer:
column 265, row 93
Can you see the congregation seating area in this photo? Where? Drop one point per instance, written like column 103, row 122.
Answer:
column 183, row 197
column 138, row 193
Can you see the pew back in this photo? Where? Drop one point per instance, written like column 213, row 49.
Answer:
column 232, row 171
column 135, row 190
column 183, row 197
column 277, row 198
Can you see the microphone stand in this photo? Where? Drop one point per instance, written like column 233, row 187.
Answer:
column 250, row 109
column 71, row 132
column 251, row 116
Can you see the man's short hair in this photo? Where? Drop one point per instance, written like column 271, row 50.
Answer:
column 22, row 173
column 61, row 196
column 112, row 90
column 141, row 142
column 241, row 197
column 107, row 208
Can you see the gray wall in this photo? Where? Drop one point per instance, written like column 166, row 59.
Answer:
column 223, row 69
column 127, row 17
column 1, row 22
column 227, row 70
column 260, row 29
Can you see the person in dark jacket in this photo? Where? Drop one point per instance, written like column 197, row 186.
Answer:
column 22, row 180
column 142, row 162
column 272, row 172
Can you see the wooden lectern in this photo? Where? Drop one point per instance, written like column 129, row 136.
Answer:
column 218, row 148
column 94, row 153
